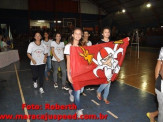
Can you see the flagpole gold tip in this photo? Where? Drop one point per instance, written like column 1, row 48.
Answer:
column 118, row 42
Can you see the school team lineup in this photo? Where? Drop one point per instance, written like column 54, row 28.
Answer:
column 39, row 53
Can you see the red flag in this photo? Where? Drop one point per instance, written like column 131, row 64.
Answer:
column 97, row 64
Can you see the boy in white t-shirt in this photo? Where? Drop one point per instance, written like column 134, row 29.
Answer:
column 85, row 41
column 58, row 60
column 47, row 42
column 37, row 53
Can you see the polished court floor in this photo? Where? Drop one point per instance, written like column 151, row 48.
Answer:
column 131, row 96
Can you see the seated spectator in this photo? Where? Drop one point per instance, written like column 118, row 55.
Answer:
column 9, row 43
column 0, row 42
column 3, row 45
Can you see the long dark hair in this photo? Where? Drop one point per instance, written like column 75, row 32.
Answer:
column 72, row 39
column 56, row 34
column 47, row 33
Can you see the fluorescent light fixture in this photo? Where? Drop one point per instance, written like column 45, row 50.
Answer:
column 41, row 21
column 59, row 21
column 38, row 23
column 123, row 10
column 148, row 5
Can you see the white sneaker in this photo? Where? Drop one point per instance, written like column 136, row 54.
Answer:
column 90, row 89
column 41, row 90
column 79, row 113
column 55, row 85
column 71, row 96
column 65, row 88
column 35, row 85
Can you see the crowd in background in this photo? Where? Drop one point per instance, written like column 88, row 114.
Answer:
column 22, row 40
column 5, row 43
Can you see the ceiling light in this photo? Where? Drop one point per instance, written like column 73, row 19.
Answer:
column 123, row 10
column 41, row 21
column 148, row 5
column 59, row 21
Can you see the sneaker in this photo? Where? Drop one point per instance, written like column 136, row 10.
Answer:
column 41, row 90
column 79, row 113
column 90, row 89
column 65, row 88
column 55, row 85
column 35, row 85
column 71, row 96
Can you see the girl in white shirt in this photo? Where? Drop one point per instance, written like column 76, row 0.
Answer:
column 76, row 35
column 58, row 60
column 37, row 53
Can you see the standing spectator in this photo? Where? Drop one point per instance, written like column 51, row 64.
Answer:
column 85, row 41
column 158, row 90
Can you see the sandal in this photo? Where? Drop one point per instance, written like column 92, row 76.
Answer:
column 149, row 116
column 107, row 102
column 99, row 97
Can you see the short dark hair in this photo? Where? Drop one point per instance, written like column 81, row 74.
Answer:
column 106, row 28
column 57, row 33
column 86, row 31
column 35, row 34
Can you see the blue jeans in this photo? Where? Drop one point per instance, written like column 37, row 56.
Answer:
column 76, row 95
column 106, row 88
column 48, row 66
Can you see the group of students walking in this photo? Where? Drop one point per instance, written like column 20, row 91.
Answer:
column 39, row 53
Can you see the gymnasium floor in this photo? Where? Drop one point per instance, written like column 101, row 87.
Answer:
column 131, row 96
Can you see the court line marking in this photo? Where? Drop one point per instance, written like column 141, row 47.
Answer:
column 112, row 114
column 138, row 88
column 17, row 70
column 84, row 94
column 7, row 72
column 95, row 102
column 115, row 116
column 21, row 93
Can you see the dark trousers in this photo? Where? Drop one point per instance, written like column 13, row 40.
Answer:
column 38, row 73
